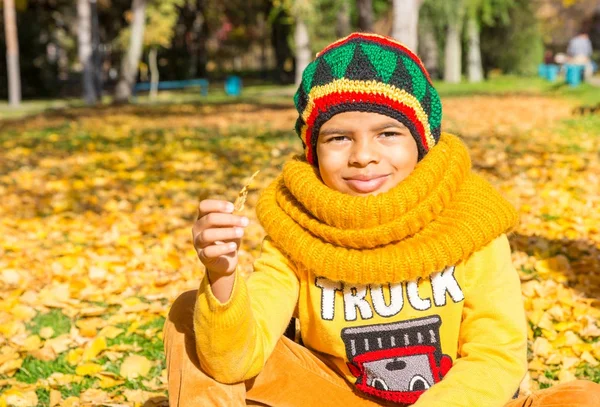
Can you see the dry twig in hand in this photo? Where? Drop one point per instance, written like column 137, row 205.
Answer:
column 243, row 194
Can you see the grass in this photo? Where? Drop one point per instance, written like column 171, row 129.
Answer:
column 59, row 322
column 34, row 369
column 585, row 94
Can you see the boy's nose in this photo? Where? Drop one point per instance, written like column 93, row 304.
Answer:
column 363, row 153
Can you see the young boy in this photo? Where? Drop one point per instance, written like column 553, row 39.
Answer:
column 384, row 244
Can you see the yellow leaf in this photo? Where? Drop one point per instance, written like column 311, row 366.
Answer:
column 74, row 356
column 133, row 327
column 110, row 332
column 61, row 379
column 95, row 396
column 9, row 368
column 55, row 398
column 59, row 344
column 23, row 312
column 238, row 205
column 131, row 301
column 94, row 348
column 71, row 402
column 135, row 366
column 32, row 342
column 88, row 369
column 17, row 398
column 541, row 347
column 46, row 354
column 47, row 332
column 106, row 382
column 565, row 376
column 558, row 264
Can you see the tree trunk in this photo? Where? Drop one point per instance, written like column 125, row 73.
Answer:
column 129, row 66
column 365, row 15
column 474, row 68
column 406, row 21
column 342, row 24
column 12, row 53
column 428, row 47
column 303, row 54
column 154, row 75
column 453, row 51
column 84, row 39
column 96, row 54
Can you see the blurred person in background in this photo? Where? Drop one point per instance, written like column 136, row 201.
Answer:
column 580, row 52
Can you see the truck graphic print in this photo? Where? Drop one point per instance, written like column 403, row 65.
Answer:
column 396, row 361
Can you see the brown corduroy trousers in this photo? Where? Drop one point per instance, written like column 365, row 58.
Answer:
column 295, row 376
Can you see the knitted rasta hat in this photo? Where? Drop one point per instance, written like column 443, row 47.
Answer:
column 367, row 73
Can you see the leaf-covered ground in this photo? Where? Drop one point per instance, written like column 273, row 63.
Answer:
column 95, row 232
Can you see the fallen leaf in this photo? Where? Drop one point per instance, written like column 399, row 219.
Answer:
column 135, row 366
column 88, row 369
column 93, row 349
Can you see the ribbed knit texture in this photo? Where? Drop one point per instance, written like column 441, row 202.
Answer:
column 437, row 217
column 369, row 73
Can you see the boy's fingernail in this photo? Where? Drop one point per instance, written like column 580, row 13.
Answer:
column 244, row 221
column 229, row 207
column 239, row 232
column 232, row 246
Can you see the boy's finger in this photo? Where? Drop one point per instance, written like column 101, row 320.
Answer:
column 214, row 251
column 215, row 219
column 209, row 237
column 214, row 205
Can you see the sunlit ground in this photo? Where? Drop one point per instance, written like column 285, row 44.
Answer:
column 97, row 206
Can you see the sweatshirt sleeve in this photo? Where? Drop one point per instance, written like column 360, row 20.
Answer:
column 234, row 339
column 492, row 348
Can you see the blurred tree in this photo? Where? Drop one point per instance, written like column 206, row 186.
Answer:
column 343, row 25
column 162, row 16
column 85, row 38
column 431, row 31
column 482, row 12
column 303, row 12
column 365, row 15
column 455, row 10
column 281, row 29
column 129, row 65
column 406, row 20
column 12, row 53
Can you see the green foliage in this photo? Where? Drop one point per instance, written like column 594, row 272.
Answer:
column 161, row 17
column 516, row 47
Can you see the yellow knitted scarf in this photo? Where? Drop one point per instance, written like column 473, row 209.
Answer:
column 438, row 216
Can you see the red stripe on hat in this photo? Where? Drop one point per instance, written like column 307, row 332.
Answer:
column 322, row 104
column 380, row 39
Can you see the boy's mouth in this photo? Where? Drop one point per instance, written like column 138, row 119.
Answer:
column 366, row 184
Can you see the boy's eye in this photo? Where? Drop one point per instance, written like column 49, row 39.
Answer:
column 337, row 139
column 388, row 134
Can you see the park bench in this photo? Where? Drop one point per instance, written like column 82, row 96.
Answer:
column 573, row 73
column 183, row 84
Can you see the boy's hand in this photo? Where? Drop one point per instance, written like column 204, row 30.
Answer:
column 217, row 235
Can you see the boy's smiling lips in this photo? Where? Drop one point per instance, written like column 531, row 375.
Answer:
column 366, row 183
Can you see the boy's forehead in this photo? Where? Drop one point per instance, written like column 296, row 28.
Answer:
column 360, row 120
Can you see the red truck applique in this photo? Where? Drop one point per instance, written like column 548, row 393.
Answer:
column 396, row 361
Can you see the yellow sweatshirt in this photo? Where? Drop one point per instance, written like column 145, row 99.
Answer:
column 449, row 336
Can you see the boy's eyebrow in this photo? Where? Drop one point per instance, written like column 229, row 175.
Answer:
column 388, row 125
column 383, row 126
column 327, row 132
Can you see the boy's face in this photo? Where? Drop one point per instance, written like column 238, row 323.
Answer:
column 364, row 153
